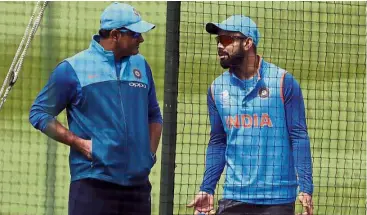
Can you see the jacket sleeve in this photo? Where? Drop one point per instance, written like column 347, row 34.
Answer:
column 154, row 112
column 61, row 90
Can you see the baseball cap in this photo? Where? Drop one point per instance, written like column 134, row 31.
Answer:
column 237, row 23
column 118, row 15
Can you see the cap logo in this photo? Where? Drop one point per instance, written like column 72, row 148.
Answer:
column 136, row 12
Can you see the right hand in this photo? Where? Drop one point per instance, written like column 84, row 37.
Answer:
column 307, row 203
column 203, row 203
column 85, row 147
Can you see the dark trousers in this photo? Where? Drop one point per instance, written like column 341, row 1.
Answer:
column 230, row 207
column 95, row 197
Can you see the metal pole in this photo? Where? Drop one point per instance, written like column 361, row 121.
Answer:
column 170, row 108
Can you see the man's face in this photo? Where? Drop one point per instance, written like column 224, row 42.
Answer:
column 231, row 50
column 128, row 42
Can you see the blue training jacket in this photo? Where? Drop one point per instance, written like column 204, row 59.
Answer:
column 259, row 132
column 110, row 103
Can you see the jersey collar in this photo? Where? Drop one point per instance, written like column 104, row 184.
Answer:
column 236, row 81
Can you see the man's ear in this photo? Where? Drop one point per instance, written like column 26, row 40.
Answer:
column 114, row 34
column 248, row 44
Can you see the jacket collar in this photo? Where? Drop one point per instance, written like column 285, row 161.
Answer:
column 96, row 47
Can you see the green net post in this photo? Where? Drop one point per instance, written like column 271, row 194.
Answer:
column 170, row 108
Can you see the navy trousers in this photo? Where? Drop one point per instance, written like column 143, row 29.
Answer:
column 231, row 207
column 96, row 197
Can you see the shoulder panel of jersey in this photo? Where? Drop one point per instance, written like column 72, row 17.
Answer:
column 272, row 74
column 218, row 84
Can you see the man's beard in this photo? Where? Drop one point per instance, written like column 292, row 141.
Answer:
column 233, row 61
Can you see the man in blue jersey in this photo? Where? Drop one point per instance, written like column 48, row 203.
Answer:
column 114, row 119
column 258, row 131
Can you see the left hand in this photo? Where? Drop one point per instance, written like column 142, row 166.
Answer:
column 307, row 203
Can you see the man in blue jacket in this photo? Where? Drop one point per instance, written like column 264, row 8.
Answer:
column 113, row 115
column 258, row 131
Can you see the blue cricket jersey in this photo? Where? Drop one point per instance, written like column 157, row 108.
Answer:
column 259, row 132
column 108, row 102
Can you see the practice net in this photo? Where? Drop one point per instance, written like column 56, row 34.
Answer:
column 34, row 170
column 322, row 44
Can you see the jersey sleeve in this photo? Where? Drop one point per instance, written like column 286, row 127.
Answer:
column 297, row 129
column 215, row 153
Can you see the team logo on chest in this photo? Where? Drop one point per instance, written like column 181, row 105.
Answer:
column 249, row 121
column 264, row 92
column 137, row 73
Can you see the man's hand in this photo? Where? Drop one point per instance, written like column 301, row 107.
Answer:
column 58, row 132
column 203, row 203
column 85, row 147
column 306, row 201
column 155, row 131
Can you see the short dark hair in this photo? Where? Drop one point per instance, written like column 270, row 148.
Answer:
column 253, row 43
column 104, row 34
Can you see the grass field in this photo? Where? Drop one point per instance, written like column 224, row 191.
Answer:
column 322, row 44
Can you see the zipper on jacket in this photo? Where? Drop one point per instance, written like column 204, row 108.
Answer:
column 122, row 105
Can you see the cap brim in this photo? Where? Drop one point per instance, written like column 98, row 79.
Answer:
column 212, row 28
column 140, row 27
